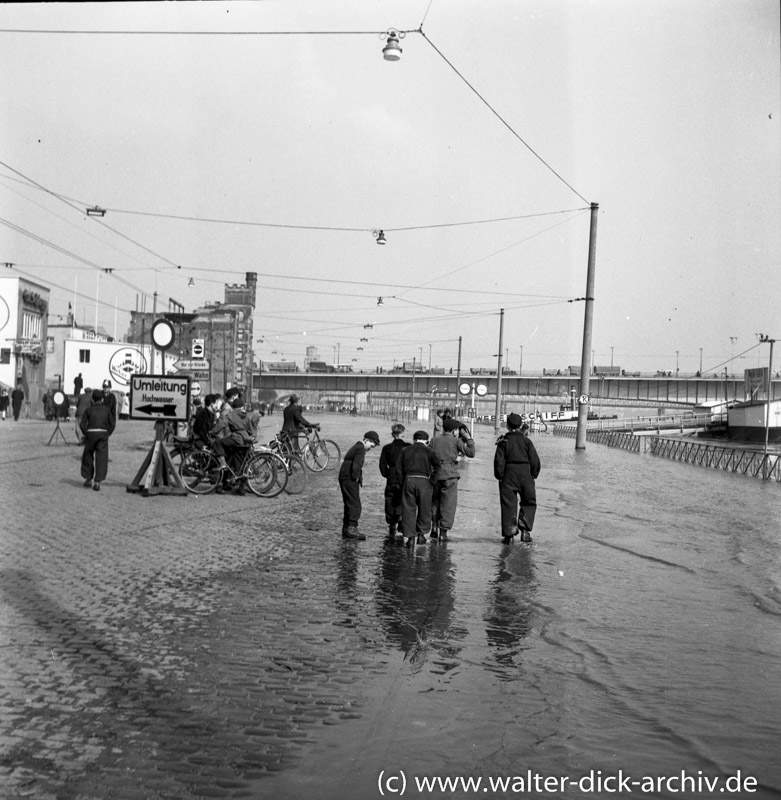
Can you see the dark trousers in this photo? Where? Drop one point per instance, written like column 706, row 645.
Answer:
column 516, row 486
column 351, row 496
column 392, row 503
column 444, row 502
column 94, row 459
column 416, row 506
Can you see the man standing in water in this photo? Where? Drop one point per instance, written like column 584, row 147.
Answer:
column 516, row 467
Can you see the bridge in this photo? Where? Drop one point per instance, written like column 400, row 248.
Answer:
column 650, row 391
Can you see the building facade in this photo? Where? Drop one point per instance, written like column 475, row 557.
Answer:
column 24, row 308
column 217, row 336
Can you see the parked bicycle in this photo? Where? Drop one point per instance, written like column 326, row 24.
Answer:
column 202, row 472
column 319, row 454
column 281, row 448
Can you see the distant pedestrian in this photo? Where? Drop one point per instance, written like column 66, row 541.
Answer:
column 78, row 385
column 438, row 423
column 17, row 398
column 455, row 440
column 516, row 467
column 350, row 482
column 97, row 424
column 4, row 402
column 110, row 399
column 416, row 466
column 389, row 458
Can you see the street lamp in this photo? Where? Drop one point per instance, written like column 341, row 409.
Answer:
column 392, row 49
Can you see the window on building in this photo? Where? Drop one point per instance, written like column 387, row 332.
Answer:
column 31, row 325
column 49, row 344
column 84, row 356
column 5, row 355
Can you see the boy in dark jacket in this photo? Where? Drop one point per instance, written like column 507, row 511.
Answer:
column 389, row 457
column 516, row 467
column 416, row 467
column 97, row 424
column 350, row 481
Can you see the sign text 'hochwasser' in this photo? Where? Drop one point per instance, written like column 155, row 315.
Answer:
column 164, row 397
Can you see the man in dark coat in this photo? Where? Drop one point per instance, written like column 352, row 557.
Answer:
column 350, row 482
column 293, row 421
column 97, row 424
column 78, row 385
column 17, row 398
column 389, row 457
column 516, row 467
column 416, row 467
column 110, row 399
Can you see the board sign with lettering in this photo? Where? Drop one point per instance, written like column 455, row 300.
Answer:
column 160, row 397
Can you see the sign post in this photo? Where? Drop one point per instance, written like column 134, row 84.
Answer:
column 162, row 398
column 58, row 399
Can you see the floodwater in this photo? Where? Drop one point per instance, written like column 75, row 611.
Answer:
column 639, row 637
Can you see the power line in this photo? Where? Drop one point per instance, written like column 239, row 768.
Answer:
column 501, row 118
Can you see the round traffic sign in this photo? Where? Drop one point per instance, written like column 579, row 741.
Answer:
column 465, row 388
column 163, row 334
column 59, row 398
column 195, row 389
column 583, row 399
column 482, row 389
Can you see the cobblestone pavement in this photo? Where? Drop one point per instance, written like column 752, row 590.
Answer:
column 173, row 648
column 165, row 647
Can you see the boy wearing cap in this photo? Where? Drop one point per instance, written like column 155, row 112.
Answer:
column 516, row 467
column 350, row 482
column 455, row 441
column 389, row 457
column 416, row 466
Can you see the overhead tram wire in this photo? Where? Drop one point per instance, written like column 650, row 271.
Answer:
column 502, row 119
column 72, row 205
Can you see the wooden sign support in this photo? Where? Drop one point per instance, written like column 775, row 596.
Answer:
column 158, row 473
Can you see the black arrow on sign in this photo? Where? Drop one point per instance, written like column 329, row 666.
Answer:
column 168, row 410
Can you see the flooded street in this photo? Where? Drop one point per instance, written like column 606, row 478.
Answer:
column 641, row 632
column 239, row 647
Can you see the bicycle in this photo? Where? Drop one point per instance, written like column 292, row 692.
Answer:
column 202, row 472
column 320, row 454
column 281, row 448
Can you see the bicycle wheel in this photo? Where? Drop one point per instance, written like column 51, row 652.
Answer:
column 314, row 457
column 200, row 472
column 333, row 453
column 280, row 476
column 296, row 476
column 260, row 471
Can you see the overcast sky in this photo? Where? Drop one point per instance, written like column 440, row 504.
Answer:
column 232, row 151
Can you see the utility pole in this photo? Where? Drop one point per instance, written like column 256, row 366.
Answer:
column 499, row 373
column 458, row 376
column 765, row 464
column 588, row 325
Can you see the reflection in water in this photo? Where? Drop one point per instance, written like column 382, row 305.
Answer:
column 415, row 599
column 510, row 610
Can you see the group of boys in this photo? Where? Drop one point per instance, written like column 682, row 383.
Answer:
column 225, row 425
column 421, row 489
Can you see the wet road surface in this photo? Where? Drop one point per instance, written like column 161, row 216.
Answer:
column 234, row 647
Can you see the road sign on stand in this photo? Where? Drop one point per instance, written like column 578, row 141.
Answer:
column 199, row 348
column 163, row 397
